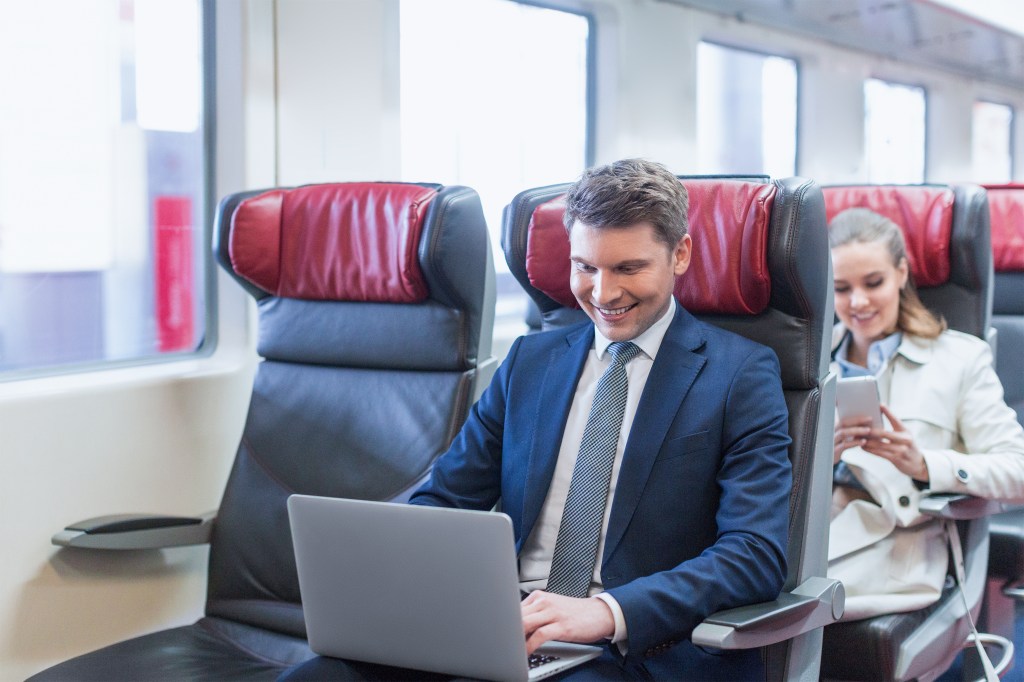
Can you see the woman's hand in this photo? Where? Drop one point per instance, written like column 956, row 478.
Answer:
column 898, row 447
column 850, row 433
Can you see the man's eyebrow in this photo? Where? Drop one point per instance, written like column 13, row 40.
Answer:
column 633, row 262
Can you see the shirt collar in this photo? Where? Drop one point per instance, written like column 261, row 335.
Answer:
column 649, row 342
column 879, row 353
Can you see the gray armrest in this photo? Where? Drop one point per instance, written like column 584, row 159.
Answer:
column 137, row 531
column 959, row 507
column 814, row 603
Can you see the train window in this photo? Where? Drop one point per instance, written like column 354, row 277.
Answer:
column 894, row 132
column 746, row 111
column 491, row 134
column 103, row 182
column 991, row 142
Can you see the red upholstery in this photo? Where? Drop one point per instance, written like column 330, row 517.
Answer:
column 358, row 243
column 925, row 214
column 1006, row 208
column 728, row 272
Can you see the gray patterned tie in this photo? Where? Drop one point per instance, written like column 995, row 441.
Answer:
column 575, row 550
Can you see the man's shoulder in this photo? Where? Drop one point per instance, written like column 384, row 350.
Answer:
column 553, row 338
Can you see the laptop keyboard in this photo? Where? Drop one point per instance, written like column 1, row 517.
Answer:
column 537, row 660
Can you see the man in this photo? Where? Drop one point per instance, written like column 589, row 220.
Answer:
column 690, row 510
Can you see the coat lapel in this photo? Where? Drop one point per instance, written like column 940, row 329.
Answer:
column 552, row 412
column 673, row 373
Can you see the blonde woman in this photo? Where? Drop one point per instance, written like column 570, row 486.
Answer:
column 947, row 427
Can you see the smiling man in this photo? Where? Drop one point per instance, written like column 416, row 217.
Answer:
column 642, row 456
column 684, row 512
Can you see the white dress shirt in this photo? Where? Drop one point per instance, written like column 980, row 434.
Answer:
column 537, row 551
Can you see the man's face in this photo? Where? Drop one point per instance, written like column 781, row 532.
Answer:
column 623, row 276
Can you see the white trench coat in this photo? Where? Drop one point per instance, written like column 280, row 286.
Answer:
column 889, row 556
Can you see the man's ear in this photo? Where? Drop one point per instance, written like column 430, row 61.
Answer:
column 681, row 255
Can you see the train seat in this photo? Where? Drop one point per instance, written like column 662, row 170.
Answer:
column 947, row 233
column 1006, row 207
column 1006, row 533
column 375, row 305
column 775, row 289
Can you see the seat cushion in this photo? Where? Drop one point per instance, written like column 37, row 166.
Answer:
column 210, row 650
column 867, row 649
column 1006, row 551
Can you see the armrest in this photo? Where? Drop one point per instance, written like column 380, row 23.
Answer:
column 137, row 531
column 814, row 603
column 958, row 506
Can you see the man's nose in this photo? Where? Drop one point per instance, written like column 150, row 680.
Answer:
column 606, row 288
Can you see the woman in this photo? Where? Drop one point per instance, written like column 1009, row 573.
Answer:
column 948, row 428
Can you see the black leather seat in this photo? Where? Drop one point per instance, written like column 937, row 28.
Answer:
column 375, row 310
column 760, row 268
column 1006, row 208
column 947, row 233
column 1006, row 531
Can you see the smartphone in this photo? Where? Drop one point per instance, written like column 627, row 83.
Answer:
column 858, row 397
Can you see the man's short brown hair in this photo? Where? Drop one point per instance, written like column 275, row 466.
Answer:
column 627, row 192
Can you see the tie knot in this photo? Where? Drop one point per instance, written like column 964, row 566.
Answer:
column 623, row 351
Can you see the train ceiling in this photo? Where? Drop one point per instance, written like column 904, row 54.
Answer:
column 921, row 32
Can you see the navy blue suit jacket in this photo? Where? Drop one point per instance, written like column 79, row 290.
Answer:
column 700, row 514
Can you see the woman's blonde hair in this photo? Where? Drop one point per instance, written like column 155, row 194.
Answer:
column 862, row 225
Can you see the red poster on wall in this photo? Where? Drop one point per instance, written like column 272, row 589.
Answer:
column 173, row 273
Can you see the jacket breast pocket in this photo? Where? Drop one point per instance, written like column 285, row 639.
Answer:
column 680, row 446
column 936, row 428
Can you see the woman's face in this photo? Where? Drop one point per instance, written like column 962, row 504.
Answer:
column 867, row 287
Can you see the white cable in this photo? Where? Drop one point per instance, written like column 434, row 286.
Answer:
column 953, row 535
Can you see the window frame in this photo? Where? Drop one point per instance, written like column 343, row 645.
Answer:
column 798, row 91
column 926, row 123
column 1012, row 140
column 208, row 339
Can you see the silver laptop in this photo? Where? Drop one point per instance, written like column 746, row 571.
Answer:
column 416, row 587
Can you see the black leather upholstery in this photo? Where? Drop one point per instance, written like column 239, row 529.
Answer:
column 966, row 299
column 1008, row 320
column 794, row 325
column 351, row 399
column 1006, row 553
column 859, row 651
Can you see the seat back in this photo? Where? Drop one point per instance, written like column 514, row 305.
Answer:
column 760, row 268
column 1006, row 208
column 946, row 228
column 375, row 305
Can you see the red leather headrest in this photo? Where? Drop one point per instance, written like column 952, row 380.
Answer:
column 338, row 242
column 925, row 214
column 1006, row 208
column 728, row 272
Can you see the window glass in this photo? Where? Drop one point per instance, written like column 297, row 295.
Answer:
column 746, row 112
column 520, row 120
column 991, row 155
column 102, row 181
column 894, row 130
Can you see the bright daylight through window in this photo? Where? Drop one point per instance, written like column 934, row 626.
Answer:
column 894, row 117
column 102, row 182
column 520, row 121
column 746, row 112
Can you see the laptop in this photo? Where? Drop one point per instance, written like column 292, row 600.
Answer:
column 416, row 587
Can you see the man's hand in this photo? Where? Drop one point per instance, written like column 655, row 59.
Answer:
column 548, row 616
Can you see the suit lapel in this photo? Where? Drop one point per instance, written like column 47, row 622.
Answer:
column 552, row 412
column 673, row 373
